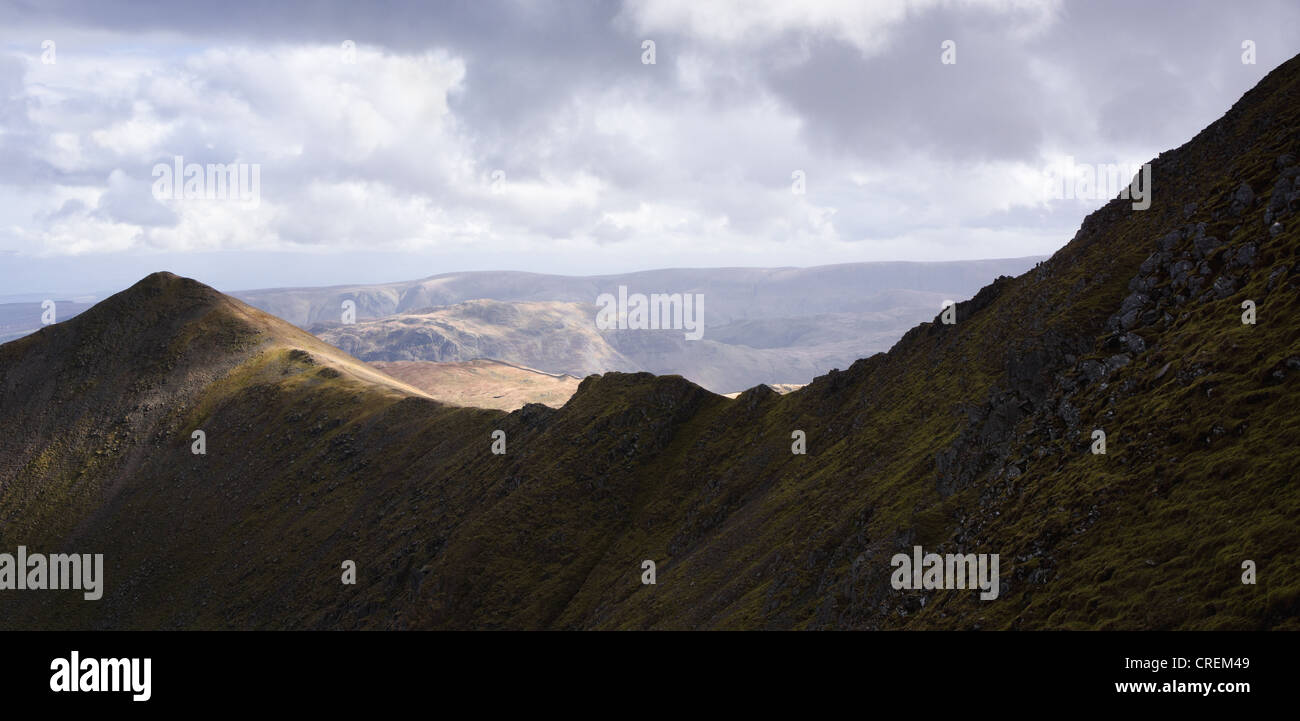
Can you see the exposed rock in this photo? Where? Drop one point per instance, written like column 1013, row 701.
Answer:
column 1275, row 276
column 1092, row 370
column 1150, row 264
column 1178, row 273
column 1243, row 257
column 1277, row 202
column 1204, row 245
column 1134, row 343
column 1142, row 283
column 1117, row 361
column 1134, row 301
column 1224, row 286
column 1242, row 198
column 1068, row 413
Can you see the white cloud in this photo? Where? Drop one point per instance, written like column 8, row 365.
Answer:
column 866, row 26
column 140, row 137
column 605, row 160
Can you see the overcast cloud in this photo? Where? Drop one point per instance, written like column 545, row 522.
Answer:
column 531, row 136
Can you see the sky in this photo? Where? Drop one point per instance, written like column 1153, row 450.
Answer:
column 396, row 140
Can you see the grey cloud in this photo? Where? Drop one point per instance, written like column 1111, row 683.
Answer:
column 130, row 200
column 1105, row 79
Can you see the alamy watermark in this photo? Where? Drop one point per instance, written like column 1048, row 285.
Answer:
column 1068, row 180
column 657, row 311
column 56, row 572
column 931, row 571
column 238, row 182
column 96, row 675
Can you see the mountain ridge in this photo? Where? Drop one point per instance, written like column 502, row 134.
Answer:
column 969, row 438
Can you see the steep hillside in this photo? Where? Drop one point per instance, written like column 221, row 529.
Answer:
column 970, row 438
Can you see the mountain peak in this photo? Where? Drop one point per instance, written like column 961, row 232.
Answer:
column 160, row 298
column 170, row 330
column 167, row 281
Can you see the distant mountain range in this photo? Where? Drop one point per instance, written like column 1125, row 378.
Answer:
column 1170, row 331
column 19, row 319
column 733, row 294
column 763, row 325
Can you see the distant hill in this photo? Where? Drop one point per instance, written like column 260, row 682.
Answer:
column 554, row 337
column 561, row 337
column 782, row 326
column 781, row 388
column 732, row 293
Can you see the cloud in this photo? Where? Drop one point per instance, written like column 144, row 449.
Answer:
column 532, row 136
column 868, row 27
